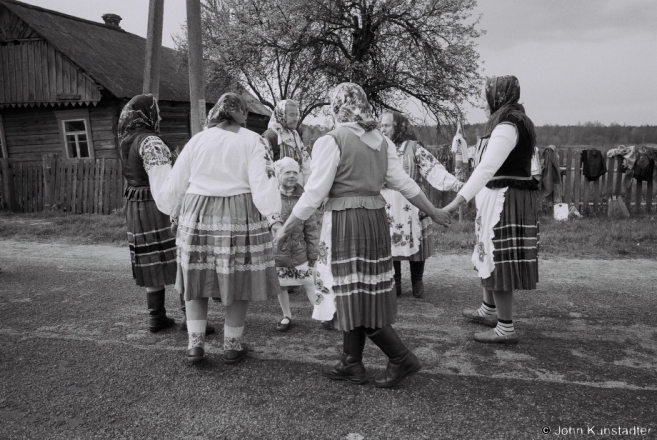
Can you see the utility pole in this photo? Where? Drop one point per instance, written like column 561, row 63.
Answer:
column 195, row 60
column 153, row 48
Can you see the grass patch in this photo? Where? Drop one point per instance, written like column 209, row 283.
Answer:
column 596, row 237
column 66, row 228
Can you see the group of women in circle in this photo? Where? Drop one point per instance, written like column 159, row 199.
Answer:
column 244, row 208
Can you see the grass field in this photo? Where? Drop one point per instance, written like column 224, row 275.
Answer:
column 596, row 237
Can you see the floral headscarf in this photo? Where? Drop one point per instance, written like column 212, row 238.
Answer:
column 401, row 128
column 278, row 118
column 228, row 103
column 140, row 115
column 350, row 108
column 502, row 95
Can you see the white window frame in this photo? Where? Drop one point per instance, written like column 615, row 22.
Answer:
column 75, row 115
column 3, row 141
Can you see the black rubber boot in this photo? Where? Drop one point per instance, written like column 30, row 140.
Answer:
column 417, row 271
column 398, row 275
column 351, row 366
column 159, row 320
column 209, row 330
column 401, row 361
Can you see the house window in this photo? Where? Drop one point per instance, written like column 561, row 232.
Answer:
column 75, row 129
column 75, row 133
column 3, row 142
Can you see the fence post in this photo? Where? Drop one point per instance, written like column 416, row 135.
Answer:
column 49, row 170
column 637, row 197
column 7, row 185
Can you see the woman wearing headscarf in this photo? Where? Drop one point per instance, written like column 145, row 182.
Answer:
column 285, row 140
column 354, row 268
column 146, row 162
column 224, row 187
column 412, row 231
column 506, row 226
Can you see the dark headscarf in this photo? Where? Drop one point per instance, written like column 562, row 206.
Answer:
column 141, row 115
column 228, row 103
column 401, row 128
column 502, row 95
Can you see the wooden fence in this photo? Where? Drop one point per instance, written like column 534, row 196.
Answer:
column 589, row 196
column 82, row 186
column 96, row 186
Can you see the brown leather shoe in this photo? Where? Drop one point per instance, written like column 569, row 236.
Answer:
column 234, row 356
column 489, row 336
column 350, row 368
column 195, row 355
column 473, row 315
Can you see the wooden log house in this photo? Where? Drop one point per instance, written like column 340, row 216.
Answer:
column 63, row 83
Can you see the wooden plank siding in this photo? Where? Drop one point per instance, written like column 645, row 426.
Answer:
column 32, row 132
column 34, row 72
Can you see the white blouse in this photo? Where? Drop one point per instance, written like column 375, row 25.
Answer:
column 324, row 166
column 220, row 163
column 157, row 162
column 502, row 141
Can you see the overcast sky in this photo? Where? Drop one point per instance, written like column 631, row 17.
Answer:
column 577, row 60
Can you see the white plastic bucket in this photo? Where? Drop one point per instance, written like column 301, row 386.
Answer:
column 561, row 211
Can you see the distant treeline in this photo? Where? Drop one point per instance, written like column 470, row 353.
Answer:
column 594, row 134
column 558, row 135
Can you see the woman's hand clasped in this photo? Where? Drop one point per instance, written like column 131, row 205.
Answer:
column 280, row 234
column 441, row 216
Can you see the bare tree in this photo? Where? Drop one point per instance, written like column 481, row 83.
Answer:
column 397, row 50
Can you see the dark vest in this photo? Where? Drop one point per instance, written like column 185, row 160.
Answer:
column 133, row 165
column 361, row 170
column 516, row 171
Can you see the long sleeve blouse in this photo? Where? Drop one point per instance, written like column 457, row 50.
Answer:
column 324, row 165
column 221, row 163
column 502, row 141
column 157, row 161
column 434, row 172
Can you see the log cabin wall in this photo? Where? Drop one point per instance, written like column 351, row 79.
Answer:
column 34, row 131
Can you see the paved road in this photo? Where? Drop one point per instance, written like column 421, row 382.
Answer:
column 76, row 360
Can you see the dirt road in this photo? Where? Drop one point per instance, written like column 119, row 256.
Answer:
column 77, row 362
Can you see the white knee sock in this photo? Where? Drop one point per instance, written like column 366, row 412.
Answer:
column 233, row 337
column 310, row 291
column 284, row 301
column 196, row 331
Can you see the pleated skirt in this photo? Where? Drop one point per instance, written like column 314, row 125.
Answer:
column 224, row 249
column 152, row 245
column 361, row 274
column 516, row 243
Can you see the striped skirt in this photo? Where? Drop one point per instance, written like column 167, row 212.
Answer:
column 354, row 269
column 224, row 249
column 152, row 245
column 516, row 242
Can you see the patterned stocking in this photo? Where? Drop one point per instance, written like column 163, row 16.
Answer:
column 196, row 331
column 233, row 337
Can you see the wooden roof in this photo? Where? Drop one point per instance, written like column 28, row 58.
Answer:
column 111, row 56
